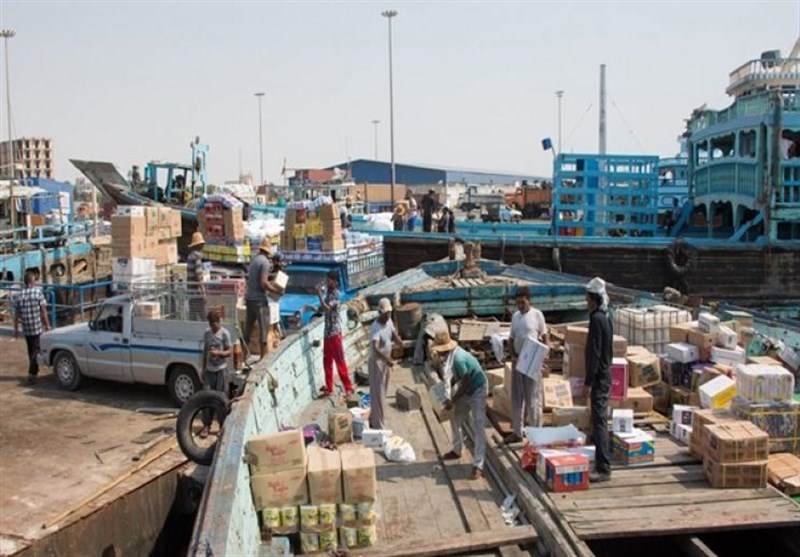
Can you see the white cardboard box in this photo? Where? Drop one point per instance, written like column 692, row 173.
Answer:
column 727, row 357
column 683, row 414
column 718, row 392
column 708, row 323
column 532, row 357
column 375, row 437
column 680, row 432
column 622, row 421
column 727, row 338
column 683, row 352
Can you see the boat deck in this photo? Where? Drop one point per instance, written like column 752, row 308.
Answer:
column 429, row 507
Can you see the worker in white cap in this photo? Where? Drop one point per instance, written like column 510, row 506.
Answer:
column 599, row 353
column 382, row 335
column 194, row 276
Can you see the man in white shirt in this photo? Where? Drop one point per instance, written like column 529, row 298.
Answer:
column 526, row 392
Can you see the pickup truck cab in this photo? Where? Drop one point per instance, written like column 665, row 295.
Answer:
column 120, row 345
column 356, row 268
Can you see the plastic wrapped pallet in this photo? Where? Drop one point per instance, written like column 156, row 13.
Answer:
column 760, row 383
column 649, row 327
column 781, row 421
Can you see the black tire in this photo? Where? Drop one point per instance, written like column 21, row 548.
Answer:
column 214, row 401
column 182, row 383
column 66, row 371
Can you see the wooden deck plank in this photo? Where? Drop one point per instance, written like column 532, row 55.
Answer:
column 625, row 491
column 697, row 496
column 459, row 545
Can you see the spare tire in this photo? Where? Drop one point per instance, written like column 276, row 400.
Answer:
column 214, row 402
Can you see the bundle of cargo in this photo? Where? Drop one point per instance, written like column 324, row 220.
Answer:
column 784, row 473
column 701, row 419
column 314, row 226
column 220, row 219
column 144, row 244
column 736, row 455
column 649, row 327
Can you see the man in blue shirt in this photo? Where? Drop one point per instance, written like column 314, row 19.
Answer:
column 469, row 394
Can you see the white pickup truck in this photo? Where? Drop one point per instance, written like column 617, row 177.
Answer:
column 119, row 345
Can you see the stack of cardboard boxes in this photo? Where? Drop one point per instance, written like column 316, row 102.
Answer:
column 221, row 221
column 735, row 455
column 326, row 498
column 144, row 243
column 312, row 227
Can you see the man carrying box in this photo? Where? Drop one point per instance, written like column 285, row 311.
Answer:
column 526, row 392
column 256, row 301
column 471, row 390
column 599, row 353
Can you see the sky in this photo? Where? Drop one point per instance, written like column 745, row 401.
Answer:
column 474, row 82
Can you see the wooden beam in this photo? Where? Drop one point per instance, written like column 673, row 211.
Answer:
column 458, row 545
column 694, row 547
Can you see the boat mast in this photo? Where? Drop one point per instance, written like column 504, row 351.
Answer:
column 602, row 130
column 6, row 34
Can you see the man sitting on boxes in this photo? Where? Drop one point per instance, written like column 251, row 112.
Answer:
column 599, row 353
column 256, row 301
column 470, row 390
column 526, row 391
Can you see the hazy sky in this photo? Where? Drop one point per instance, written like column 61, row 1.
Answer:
column 128, row 82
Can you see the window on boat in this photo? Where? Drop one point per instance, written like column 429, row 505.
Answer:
column 722, row 146
column 747, row 144
column 701, row 153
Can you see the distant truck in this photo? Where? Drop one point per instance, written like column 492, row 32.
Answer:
column 357, row 268
column 120, row 345
column 533, row 201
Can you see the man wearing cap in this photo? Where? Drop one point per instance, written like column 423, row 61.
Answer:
column 599, row 352
column 526, row 392
column 469, row 391
column 256, row 301
column 428, row 207
column 399, row 218
column 412, row 211
column 345, row 213
column 381, row 336
column 194, row 276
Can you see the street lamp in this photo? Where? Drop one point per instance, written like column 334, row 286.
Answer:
column 260, row 138
column 6, row 34
column 389, row 15
column 559, row 94
column 375, row 123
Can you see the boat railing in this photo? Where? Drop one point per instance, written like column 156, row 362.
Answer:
column 781, row 69
column 62, row 307
column 12, row 239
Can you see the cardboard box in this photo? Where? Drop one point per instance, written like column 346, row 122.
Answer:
column 501, row 401
column 495, row 377
column 576, row 335
column 620, row 346
column 683, row 414
column 680, row 332
column 704, row 417
column 579, row 416
column 128, row 227
column 175, row 224
column 619, row 379
column 717, row 393
column 636, row 351
column 358, row 475
column 783, row 471
column 280, row 487
column 636, row 447
column 151, row 216
column 728, row 357
column 644, row 370
column 622, row 420
column 130, row 210
column 566, row 473
column 781, row 421
column 340, row 427
column 763, row 384
column 727, row 338
column 324, row 475
column 638, row 400
column 574, row 364
column 763, row 360
column 683, row 352
column 329, row 212
column 557, row 392
column 708, row 323
column 333, row 245
column 736, row 475
column 736, row 442
column 680, row 432
column 703, row 341
column 660, row 395
column 531, row 358
column 276, row 451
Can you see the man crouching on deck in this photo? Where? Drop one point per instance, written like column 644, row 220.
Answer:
column 471, row 389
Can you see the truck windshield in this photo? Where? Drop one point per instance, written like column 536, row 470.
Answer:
column 304, row 282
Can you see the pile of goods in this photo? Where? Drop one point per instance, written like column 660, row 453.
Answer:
column 222, row 224
column 144, row 244
column 312, row 226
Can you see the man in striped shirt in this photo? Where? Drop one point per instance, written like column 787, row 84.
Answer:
column 194, row 276
column 30, row 310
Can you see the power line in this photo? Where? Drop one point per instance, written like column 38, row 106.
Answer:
column 630, row 130
column 580, row 121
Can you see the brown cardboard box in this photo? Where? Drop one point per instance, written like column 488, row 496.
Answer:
column 164, row 217
column 175, row 224
column 620, row 346
column 300, row 244
column 736, row 442
column 280, row 487
column 358, row 474
column 679, row 332
column 151, row 216
column 636, row 351
column 644, row 370
column 324, row 475
column 639, row 400
column 577, row 335
column 128, row 227
column 234, row 224
column 574, row 364
column 735, row 475
column 495, row 377
column 501, row 401
column 703, row 341
column 763, row 360
column 329, row 212
column 660, row 394
column 783, row 470
column 556, row 392
column 579, row 416
column 704, row 417
column 333, row 245
column 340, row 427
column 276, row 451
column 163, row 234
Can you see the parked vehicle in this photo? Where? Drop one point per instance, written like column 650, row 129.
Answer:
column 534, row 201
column 121, row 345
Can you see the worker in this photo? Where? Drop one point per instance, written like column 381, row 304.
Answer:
column 332, row 348
column 469, row 388
column 399, row 218
column 256, row 300
column 30, row 310
column 412, row 211
column 217, row 348
column 599, row 352
column 444, row 220
column 382, row 334
column 451, row 224
column 346, row 214
column 194, row 276
column 428, row 207
column 526, row 391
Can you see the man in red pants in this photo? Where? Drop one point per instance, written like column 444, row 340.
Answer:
column 333, row 350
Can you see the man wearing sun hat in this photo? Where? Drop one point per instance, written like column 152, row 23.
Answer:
column 599, row 353
column 469, row 391
column 256, row 300
column 382, row 335
column 194, row 276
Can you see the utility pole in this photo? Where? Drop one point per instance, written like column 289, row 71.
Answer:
column 389, row 15
column 375, row 123
column 559, row 94
column 260, row 139
column 9, row 34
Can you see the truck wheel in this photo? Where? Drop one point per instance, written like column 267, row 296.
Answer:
column 65, row 368
column 182, row 384
column 195, row 448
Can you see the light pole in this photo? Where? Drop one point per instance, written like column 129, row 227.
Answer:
column 375, row 123
column 559, row 94
column 260, row 139
column 9, row 34
column 389, row 15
